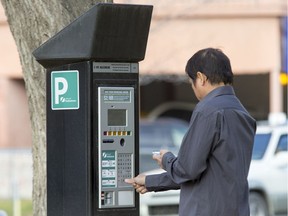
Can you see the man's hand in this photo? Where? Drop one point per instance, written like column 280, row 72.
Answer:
column 138, row 183
column 158, row 157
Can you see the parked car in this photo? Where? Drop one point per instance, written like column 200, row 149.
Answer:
column 267, row 177
column 269, row 170
column 161, row 133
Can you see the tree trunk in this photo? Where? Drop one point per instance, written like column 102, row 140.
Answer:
column 32, row 22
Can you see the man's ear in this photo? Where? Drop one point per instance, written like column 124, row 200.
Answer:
column 202, row 77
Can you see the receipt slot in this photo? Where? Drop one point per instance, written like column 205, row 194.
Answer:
column 92, row 95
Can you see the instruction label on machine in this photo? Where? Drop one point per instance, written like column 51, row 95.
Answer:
column 108, row 168
column 117, row 96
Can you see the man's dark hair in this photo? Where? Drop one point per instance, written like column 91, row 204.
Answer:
column 211, row 62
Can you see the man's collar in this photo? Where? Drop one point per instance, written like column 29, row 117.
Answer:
column 222, row 90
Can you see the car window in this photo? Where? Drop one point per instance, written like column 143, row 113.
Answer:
column 260, row 145
column 282, row 144
column 177, row 135
column 155, row 137
column 159, row 135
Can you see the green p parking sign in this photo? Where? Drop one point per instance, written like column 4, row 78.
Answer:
column 65, row 90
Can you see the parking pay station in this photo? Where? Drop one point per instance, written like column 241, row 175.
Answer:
column 93, row 111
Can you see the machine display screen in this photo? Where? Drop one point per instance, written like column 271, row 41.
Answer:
column 117, row 117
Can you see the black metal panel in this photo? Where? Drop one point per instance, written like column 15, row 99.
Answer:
column 68, row 151
column 107, row 32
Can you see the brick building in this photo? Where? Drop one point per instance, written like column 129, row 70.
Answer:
column 249, row 32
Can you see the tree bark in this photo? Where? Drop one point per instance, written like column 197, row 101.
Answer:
column 32, row 22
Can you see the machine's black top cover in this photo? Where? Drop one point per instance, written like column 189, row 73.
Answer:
column 106, row 32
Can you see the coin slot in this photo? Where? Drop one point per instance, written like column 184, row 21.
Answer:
column 122, row 142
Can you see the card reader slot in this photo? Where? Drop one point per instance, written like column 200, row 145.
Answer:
column 108, row 140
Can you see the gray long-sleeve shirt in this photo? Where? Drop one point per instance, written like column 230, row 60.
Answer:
column 214, row 158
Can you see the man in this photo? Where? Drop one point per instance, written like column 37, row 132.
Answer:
column 213, row 161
